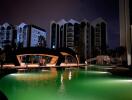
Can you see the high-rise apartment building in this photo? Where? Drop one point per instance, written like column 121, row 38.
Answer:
column 62, row 33
column 7, row 35
column 30, row 36
column 99, row 36
column 21, row 40
column 54, row 29
column 23, row 35
column 83, row 37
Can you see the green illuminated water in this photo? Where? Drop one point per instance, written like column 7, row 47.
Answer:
column 66, row 85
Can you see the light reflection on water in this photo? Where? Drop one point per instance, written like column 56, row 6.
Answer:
column 66, row 85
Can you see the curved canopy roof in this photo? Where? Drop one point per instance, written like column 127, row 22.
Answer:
column 60, row 53
column 67, row 50
column 37, row 50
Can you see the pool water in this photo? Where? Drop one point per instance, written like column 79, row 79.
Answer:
column 66, row 85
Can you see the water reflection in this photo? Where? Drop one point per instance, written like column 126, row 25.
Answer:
column 70, row 75
column 66, row 85
column 46, row 75
column 62, row 86
column 51, row 78
column 65, row 76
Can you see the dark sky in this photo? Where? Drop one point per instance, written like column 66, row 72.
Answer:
column 42, row 12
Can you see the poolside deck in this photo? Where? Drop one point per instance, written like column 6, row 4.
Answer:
column 30, row 67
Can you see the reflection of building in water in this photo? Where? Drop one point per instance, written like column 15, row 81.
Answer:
column 62, row 86
column 66, row 75
column 49, row 75
column 70, row 75
column 53, row 71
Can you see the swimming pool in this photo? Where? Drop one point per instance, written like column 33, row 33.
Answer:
column 66, row 85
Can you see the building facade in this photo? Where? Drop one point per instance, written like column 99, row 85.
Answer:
column 83, row 37
column 62, row 33
column 23, row 35
column 34, row 36
column 30, row 36
column 7, row 35
column 99, row 36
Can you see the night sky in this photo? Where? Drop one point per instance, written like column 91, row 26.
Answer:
column 42, row 12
